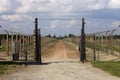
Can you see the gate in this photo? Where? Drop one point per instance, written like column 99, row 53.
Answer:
column 18, row 46
column 38, row 39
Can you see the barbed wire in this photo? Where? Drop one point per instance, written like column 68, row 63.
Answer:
column 60, row 19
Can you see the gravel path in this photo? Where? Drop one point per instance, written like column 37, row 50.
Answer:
column 60, row 68
column 60, row 71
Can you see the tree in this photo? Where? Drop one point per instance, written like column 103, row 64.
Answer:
column 65, row 36
column 48, row 35
column 54, row 36
column 71, row 35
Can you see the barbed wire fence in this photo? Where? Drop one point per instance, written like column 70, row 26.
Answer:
column 102, row 44
column 17, row 46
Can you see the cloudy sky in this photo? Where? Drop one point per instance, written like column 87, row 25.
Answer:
column 100, row 15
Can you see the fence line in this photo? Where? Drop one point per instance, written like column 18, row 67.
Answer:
column 107, row 42
column 25, row 44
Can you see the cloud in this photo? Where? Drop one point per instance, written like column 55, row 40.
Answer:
column 8, row 6
column 97, row 5
column 4, row 5
column 115, row 24
column 104, row 11
column 54, row 24
column 51, row 6
column 32, row 6
column 63, row 7
column 15, row 26
column 15, row 17
column 56, row 6
column 25, row 6
column 11, row 17
column 59, row 7
column 72, row 23
column 58, row 24
column 114, row 4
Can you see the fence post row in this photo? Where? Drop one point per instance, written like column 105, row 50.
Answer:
column 17, row 44
column 104, row 42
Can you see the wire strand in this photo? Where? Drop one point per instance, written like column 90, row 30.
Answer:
column 60, row 19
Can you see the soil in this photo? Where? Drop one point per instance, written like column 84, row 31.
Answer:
column 62, row 64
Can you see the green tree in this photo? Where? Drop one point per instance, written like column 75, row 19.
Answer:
column 54, row 36
column 48, row 35
column 71, row 35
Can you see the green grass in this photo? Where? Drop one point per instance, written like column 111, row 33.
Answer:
column 90, row 45
column 3, row 68
column 3, row 48
column 109, row 66
column 5, row 65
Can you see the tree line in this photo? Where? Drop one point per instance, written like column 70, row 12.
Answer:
column 60, row 37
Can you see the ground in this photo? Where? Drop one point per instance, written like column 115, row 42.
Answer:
column 62, row 64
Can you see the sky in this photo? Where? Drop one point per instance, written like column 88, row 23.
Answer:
column 19, row 15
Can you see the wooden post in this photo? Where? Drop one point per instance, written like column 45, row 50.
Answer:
column 16, row 37
column 26, row 54
column 112, row 47
column 37, row 54
column 98, row 46
column 20, row 41
column 102, row 45
column 39, row 42
column 82, row 47
column 107, row 42
column 23, row 42
column 12, row 37
column 7, row 42
column 94, row 45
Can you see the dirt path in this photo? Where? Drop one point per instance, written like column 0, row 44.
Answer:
column 61, row 52
column 63, row 64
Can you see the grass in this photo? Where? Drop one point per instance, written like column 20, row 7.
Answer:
column 46, row 44
column 114, row 48
column 3, row 49
column 109, row 66
column 6, row 65
column 3, row 68
column 72, row 45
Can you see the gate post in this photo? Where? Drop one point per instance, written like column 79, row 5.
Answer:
column 94, row 49
column 82, row 45
column 37, row 43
